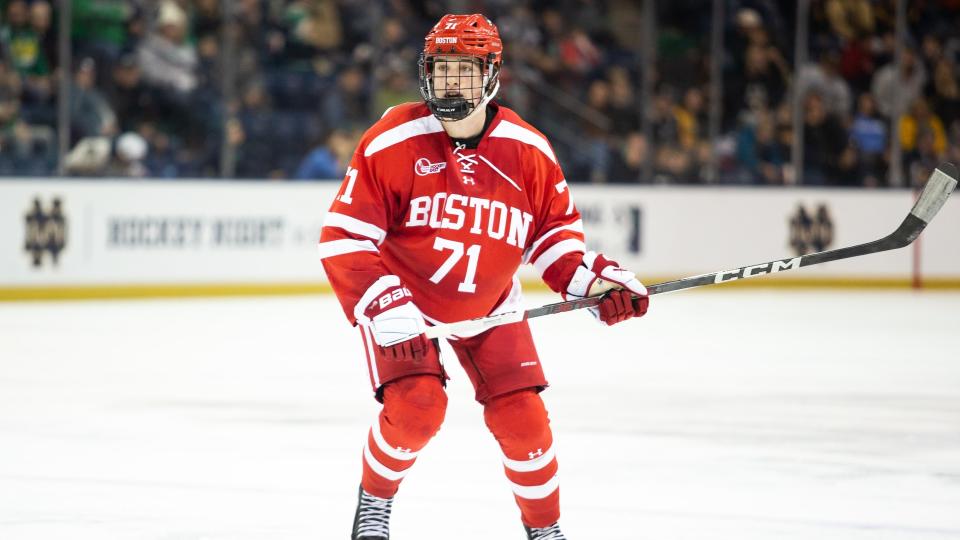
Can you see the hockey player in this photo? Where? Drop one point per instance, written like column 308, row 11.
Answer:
column 441, row 204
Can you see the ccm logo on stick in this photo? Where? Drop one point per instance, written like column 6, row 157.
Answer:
column 757, row 270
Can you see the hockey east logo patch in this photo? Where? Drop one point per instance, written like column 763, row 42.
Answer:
column 423, row 167
column 45, row 232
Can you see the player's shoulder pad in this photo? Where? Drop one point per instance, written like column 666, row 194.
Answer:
column 512, row 127
column 398, row 124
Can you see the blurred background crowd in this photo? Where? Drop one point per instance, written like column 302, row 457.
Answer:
column 282, row 89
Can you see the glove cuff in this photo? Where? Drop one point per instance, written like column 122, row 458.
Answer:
column 373, row 292
column 580, row 283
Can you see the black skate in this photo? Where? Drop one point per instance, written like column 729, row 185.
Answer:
column 546, row 533
column 372, row 521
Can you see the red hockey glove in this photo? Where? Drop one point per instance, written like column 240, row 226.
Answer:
column 597, row 275
column 395, row 322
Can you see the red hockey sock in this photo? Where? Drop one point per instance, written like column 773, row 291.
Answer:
column 520, row 424
column 413, row 409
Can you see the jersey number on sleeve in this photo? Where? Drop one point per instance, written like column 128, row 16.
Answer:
column 473, row 253
column 352, row 179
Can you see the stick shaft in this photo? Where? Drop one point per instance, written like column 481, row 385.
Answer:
column 941, row 183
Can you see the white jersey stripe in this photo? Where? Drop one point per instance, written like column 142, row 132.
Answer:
column 509, row 130
column 385, row 447
column 556, row 251
column 380, row 468
column 342, row 247
column 507, row 178
column 354, row 226
column 576, row 226
column 537, row 492
column 532, row 464
column 392, row 136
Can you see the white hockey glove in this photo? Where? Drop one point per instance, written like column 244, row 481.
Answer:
column 388, row 312
column 597, row 275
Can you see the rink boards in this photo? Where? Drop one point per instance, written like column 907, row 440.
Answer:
column 63, row 239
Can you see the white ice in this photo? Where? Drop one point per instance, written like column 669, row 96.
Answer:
column 755, row 415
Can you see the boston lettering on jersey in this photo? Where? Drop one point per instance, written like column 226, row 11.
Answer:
column 482, row 216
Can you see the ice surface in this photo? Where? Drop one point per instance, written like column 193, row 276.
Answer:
column 722, row 415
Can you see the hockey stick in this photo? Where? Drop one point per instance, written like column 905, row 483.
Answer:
column 934, row 195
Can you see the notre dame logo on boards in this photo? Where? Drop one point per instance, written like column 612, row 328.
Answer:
column 811, row 232
column 46, row 232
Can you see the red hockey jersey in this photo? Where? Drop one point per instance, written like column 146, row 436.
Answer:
column 453, row 223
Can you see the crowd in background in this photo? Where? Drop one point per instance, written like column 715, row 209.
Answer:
column 284, row 88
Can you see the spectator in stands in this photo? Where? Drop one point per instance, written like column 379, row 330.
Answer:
column 130, row 149
column 396, row 87
column 161, row 154
column 624, row 110
column 595, row 148
column 626, row 163
column 921, row 160
column 90, row 112
column 311, row 28
column 857, row 63
column 946, row 91
column 869, row 135
column 130, row 97
column 27, row 150
column 99, row 29
column 665, row 128
column 893, row 91
column 41, row 20
column 772, row 154
column 580, row 55
column 10, row 89
column 397, row 50
column 89, row 157
column 27, row 52
column 920, row 121
column 257, row 148
column 765, row 77
column 823, row 136
column 850, row 18
column 824, row 78
column 348, row 102
column 168, row 60
column 760, row 154
column 691, row 119
column 328, row 161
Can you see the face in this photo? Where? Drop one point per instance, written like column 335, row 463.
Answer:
column 458, row 76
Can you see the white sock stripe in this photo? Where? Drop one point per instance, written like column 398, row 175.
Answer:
column 536, row 492
column 385, row 447
column 530, row 465
column 380, row 468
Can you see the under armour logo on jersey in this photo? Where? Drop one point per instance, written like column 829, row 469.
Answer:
column 466, row 163
column 404, row 450
column 535, row 455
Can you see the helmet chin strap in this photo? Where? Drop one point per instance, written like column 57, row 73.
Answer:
column 482, row 105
